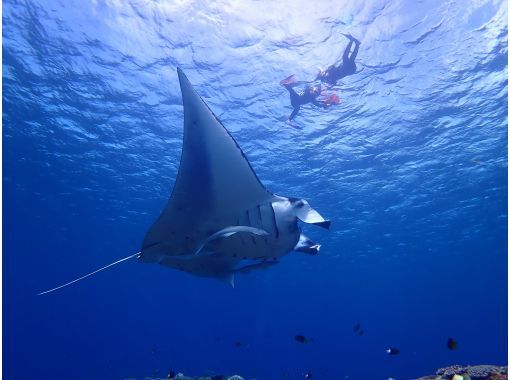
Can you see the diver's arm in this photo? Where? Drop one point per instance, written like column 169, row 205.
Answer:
column 319, row 104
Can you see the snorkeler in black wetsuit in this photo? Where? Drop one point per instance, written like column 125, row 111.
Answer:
column 296, row 100
column 347, row 67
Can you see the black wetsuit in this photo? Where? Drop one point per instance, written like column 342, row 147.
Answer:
column 297, row 100
column 347, row 67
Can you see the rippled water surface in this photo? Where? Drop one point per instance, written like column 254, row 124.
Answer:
column 411, row 167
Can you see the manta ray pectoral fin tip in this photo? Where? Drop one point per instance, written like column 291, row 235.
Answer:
column 183, row 79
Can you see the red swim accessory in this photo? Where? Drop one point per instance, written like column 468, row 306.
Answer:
column 332, row 99
column 289, row 80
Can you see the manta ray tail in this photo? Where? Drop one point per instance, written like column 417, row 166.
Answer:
column 137, row 254
column 228, row 278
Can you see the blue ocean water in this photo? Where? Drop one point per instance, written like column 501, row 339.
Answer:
column 411, row 167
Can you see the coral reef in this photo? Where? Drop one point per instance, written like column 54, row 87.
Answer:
column 181, row 376
column 476, row 372
column 453, row 372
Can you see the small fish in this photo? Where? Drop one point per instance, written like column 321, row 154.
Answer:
column 153, row 351
column 360, row 332
column 308, row 375
column 451, row 343
column 285, row 374
column 303, row 339
column 238, row 344
column 218, row 377
column 171, row 375
column 393, row 351
column 357, row 327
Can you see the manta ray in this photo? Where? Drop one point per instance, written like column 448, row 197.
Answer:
column 220, row 219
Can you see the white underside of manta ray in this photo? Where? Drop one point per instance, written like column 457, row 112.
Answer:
column 220, row 220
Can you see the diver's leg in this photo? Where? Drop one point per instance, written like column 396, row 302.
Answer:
column 291, row 91
column 294, row 97
column 345, row 57
column 294, row 101
column 355, row 51
column 294, row 113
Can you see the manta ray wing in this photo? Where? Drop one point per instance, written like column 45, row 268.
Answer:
column 215, row 183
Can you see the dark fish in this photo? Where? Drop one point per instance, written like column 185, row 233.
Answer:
column 451, row 343
column 154, row 351
column 301, row 339
column 171, row 375
column 393, row 351
column 357, row 327
column 360, row 332
column 308, row 375
column 285, row 374
column 218, row 377
column 238, row 344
